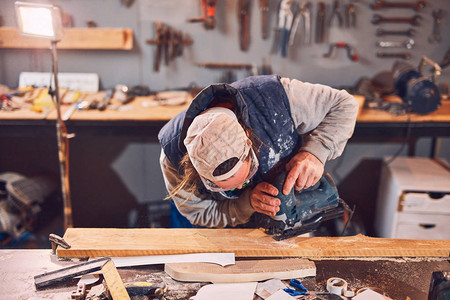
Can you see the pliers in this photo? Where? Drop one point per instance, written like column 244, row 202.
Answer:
column 285, row 18
column 300, row 290
column 304, row 15
column 336, row 12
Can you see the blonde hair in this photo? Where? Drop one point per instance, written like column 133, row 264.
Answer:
column 189, row 181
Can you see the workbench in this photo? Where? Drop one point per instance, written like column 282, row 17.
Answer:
column 139, row 119
column 398, row 277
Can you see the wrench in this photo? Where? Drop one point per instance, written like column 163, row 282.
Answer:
column 403, row 55
column 410, row 32
column 407, row 44
column 414, row 20
column 320, row 23
column 380, row 4
column 350, row 15
column 436, row 34
column 264, row 8
column 244, row 23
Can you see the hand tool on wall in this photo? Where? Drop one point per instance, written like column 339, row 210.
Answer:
column 350, row 15
column 229, row 74
column 303, row 212
column 414, row 20
column 127, row 3
column 381, row 32
column 409, row 44
column 175, row 45
column 214, row 65
column 320, row 23
column 302, row 19
column 169, row 43
column 436, row 33
column 244, row 23
column 264, row 8
column 336, row 12
column 209, row 14
column 402, row 55
column 350, row 52
column 91, row 24
column 380, row 4
column 285, row 18
column 160, row 33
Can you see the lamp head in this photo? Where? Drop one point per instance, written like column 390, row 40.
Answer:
column 39, row 20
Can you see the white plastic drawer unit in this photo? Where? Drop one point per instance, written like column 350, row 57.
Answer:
column 413, row 199
column 425, row 202
column 423, row 226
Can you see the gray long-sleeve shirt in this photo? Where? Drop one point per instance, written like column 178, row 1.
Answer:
column 324, row 116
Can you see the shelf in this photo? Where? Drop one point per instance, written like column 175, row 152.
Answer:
column 74, row 38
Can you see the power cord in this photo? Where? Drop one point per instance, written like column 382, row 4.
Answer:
column 405, row 142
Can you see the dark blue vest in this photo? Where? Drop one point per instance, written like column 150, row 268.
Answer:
column 260, row 102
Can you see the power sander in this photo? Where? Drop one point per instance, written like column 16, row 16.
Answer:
column 303, row 212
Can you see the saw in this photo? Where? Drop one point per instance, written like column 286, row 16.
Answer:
column 303, row 212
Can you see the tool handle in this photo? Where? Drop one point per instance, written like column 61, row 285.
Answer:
column 436, row 68
column 284, row 42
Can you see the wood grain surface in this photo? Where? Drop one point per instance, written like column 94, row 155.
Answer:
column 242, row 271
column 442, row 114
column 95, row 242
column 74, row 38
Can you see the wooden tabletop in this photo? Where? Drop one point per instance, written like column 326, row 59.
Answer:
column 152, row 110
column 442, row 114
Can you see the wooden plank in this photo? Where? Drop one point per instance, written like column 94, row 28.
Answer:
column 242, row 271
column 74, row 38
column 96, row 242
column 115, row 284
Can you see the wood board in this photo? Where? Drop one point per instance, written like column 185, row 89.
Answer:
column 242, row 271
column 96, row 242
column 74, row 38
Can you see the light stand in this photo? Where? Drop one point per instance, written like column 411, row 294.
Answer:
column 44, row 21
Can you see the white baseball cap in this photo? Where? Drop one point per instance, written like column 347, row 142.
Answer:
column 214, row 137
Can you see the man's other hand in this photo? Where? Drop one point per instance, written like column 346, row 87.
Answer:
column 304, row 170
column 263, row 200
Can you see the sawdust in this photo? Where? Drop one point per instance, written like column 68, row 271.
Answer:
column 392, row 259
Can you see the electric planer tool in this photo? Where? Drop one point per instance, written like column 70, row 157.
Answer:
column 302, row 212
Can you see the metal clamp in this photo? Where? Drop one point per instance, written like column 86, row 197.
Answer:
column 56, row 241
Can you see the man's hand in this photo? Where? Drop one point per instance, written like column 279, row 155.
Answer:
column 304, row 171
column 262, row 199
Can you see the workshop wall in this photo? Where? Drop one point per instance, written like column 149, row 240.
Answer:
column 125, row 171
column 221, row 44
